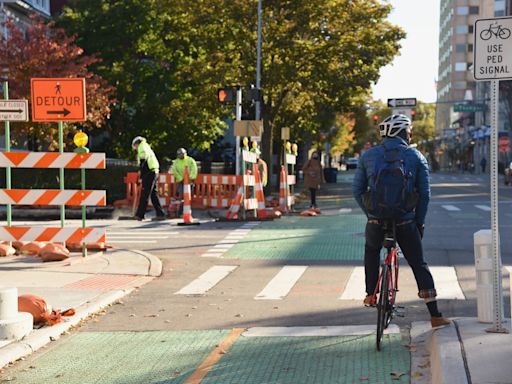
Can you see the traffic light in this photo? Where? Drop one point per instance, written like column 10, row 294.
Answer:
column 375, row 119
column 255, row 94
column 413, row 114
column 226, row 95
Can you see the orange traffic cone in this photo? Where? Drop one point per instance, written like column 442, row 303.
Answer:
column 235, row 205
column 282, row 190
column 260, row 196
column 187, row 201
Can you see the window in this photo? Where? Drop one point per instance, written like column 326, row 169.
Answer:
column 460, row 48
column 474, row 10
column 462, row 11
column 499, row 13
column 470, row 47
column 470, row 29
column 461, row 29
column 459, row 85
column 460, row 66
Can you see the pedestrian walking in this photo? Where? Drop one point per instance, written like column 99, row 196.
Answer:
column 178, row 170
column 483, row 164
column 386, row 173
column 313, row 177
column 148, row 174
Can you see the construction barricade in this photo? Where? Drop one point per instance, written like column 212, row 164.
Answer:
column 52, row 197
column 187, row 201
column 287, row 179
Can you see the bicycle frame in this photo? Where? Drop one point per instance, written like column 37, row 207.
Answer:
column 392, row 260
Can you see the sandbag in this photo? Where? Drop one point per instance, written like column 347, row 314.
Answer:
column 6, row 250
column 32, row 248
column 40, row 310
column 54, row 252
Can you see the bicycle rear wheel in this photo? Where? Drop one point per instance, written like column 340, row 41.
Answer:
column 383, row 305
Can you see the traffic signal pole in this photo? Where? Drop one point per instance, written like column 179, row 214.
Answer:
column 238, row 116
column 258, row 61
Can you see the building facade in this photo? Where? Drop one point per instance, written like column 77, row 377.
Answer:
column 462, row 130
column 20, row 11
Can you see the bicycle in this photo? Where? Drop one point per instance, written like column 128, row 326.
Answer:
column 387, row 285
column 497, row 31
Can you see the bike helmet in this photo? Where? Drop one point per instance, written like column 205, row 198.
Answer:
column 394, row 124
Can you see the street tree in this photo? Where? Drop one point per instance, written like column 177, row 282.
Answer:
column 45, row 51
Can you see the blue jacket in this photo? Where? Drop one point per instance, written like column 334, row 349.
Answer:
column 418, row 167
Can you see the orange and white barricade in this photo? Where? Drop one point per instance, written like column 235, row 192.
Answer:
column 260, row 196
column 289, row 180
column 49, row 197
column 187, row 201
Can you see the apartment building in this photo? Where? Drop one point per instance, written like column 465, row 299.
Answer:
column 20, row 10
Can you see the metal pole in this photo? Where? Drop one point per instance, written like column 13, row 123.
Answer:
column 8, row 149
column 84, row 213
column 238, row 117
column 61, row 172
column 258, row 60
column 496, row 255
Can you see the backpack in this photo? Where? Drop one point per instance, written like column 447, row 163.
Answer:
column 391, row 193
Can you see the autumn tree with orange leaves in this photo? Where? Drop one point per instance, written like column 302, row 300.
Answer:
column 45, row 51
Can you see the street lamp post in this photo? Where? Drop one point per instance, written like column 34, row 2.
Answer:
column 258, row 60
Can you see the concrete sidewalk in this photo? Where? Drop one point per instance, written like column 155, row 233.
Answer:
column 86, row 284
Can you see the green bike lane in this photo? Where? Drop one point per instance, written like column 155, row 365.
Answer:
column 321, row 354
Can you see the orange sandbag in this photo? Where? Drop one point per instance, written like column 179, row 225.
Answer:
column 316, row 210
column 40, row 310
column 307, row 213
column 17, row 245
column 7, row 250
column 54, row 252
column 32, row 248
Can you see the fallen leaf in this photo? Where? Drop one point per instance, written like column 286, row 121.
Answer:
column 194, row 307
column 239, row 315
column 132, row 315
column 188, row 315
column 151, row 315
column 167, row 321
column 222, row 352
column 52, row 338
column 396, row 375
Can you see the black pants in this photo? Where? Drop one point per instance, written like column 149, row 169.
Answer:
column 313, row 197
column 149, row 180
column 409, row 239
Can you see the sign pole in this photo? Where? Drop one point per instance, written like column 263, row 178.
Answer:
column 496, row 255
column 8, row 149
column 61, row 172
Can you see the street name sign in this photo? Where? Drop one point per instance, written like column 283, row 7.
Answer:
column 408, row 102
column 468, row 107
column 56, row 99
column 493, row 47
column 14, row 110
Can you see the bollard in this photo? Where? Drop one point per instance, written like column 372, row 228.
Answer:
column 14, row 325
column 484, row 275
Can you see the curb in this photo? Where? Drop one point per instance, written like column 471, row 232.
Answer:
column 43, row 336
column 447, row 362
column 155, row 264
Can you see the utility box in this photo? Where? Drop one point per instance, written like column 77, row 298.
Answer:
column 484, row 275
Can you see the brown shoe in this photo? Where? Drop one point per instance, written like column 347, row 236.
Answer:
column 369, row 301
column 440, row 321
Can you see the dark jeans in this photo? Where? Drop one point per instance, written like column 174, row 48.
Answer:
column 313, row 196
column 409, row 239
column 149, row 189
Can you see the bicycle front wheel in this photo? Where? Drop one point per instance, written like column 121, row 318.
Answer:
column 383, row 305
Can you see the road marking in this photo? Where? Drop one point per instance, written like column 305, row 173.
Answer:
column 211, row 250
column 229, row 241
column 312, row 331
column 355, row 288
column 452, row 208
column 132, row 237
column 142, row 233
column 131, row 241
column 282, row 283
column 483, row 207
column 345, row 210
column 445, row 278
column 447, row 285
column 209, row 362
column 218, row 255
column 234, row 237
column 223, row 246
column 207, row 280
column 240, row 231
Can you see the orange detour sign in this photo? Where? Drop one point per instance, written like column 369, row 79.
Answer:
column 56, row 99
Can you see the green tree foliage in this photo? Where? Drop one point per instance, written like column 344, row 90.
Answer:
column 168, row 57
column 343, row 136
column 424, row 126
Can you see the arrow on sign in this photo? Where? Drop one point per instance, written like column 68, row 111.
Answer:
column 64, row 112
column 11, row 110
column 392, row 103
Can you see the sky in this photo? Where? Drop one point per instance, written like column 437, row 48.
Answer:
column 413, row 72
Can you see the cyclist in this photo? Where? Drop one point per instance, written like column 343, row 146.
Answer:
column 397, row 132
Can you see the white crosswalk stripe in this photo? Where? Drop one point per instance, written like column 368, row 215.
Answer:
column 207, row 280
column 451, row 208
column 484, row 207
column 282, row 283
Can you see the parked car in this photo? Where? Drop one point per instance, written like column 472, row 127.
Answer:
column 352, row 162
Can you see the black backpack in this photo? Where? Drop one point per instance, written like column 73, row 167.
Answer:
column 391, row 194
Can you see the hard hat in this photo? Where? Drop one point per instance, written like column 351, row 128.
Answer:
column 181, row 151
column 137, row 140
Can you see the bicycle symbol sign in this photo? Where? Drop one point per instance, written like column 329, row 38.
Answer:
column 493, row 49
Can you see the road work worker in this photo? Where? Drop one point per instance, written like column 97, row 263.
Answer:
column 148, row 174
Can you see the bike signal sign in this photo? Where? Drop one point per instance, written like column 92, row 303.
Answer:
column 493, row 49
column 56, row 99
